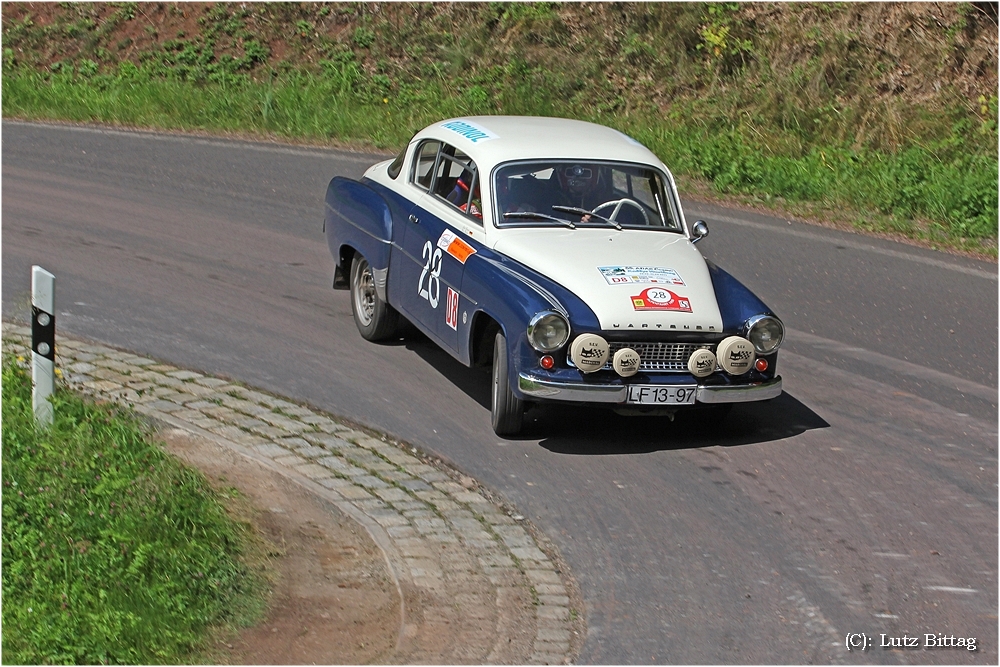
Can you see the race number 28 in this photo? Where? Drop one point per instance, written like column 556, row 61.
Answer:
column 432, row 272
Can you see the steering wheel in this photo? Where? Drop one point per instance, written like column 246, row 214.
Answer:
column 618, row 203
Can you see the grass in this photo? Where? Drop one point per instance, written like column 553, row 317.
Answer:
column 113, row 552
column 788, row 105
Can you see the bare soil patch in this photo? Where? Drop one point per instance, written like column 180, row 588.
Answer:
column 333, row 599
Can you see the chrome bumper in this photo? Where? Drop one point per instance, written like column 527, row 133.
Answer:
column 616, row 393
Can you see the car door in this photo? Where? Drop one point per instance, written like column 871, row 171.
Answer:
column 437, row 240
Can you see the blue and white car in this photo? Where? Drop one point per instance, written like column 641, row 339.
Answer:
column 555, row 253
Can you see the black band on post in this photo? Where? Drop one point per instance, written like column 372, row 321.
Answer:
column 43, row 333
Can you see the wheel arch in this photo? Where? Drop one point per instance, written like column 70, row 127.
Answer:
column 481, row 334
column 342, row 267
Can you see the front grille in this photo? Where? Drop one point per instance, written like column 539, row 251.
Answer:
column 659, row 357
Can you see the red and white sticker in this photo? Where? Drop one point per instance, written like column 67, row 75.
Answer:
column 454, row 246
column 451, row 312
column 657, row 298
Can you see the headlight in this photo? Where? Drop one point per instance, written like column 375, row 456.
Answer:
column 548, row 331
column 765, row 332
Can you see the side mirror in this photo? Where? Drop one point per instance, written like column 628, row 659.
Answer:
column 700, row 231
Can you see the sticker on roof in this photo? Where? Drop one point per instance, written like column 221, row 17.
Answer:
column 455, row 246
column 649, row 275
column 471, row 131
column 657, row 298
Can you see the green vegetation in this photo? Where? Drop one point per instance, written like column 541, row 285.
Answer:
column 883, row 115
column 112, row 551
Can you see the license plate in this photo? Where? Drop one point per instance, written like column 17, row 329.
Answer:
column 657, row 394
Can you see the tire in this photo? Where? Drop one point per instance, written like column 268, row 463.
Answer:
column 376, row 319
column 506, row 409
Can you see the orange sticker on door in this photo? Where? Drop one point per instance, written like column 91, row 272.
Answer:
column 657, row 298
column 454, row 246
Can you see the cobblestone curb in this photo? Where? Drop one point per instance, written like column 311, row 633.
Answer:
column 445, row 541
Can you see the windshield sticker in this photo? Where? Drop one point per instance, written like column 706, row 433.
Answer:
column 471, row 131
column 454, row 246
column 647, row 275
column 657, row 298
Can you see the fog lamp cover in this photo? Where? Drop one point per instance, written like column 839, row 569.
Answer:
column 626, row 362
column 702, row 363
column 589, row 352
column 736, row 355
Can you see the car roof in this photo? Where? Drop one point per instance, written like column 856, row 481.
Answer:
column 491, row 140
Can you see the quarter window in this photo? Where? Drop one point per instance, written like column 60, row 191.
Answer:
column 423, row 169
column 397, row 165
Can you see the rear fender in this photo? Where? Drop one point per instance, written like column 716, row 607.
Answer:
column 358, row 218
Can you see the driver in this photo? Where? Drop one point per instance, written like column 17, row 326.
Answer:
column 475, row 207
column 460, row 194
column 580, row 186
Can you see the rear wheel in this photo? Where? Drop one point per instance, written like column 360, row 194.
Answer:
column 376, row 319
column 507, row 410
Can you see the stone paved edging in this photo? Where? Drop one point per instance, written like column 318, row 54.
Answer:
column 445, row 542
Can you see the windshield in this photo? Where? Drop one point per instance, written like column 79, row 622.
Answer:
column 574, row 194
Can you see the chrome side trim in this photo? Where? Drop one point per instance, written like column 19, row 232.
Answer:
column 565, row 391
column 740, row 393
column 547, row 295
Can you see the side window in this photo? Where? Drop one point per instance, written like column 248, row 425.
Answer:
column 423, row 167
column 458, row 182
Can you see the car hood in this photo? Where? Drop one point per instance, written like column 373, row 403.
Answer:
column 631, row 279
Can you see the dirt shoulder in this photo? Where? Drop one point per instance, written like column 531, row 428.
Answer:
column 333, row 600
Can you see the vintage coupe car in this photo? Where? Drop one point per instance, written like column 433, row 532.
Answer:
column 556, row 253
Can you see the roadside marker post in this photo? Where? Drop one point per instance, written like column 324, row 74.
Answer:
column 43, row 343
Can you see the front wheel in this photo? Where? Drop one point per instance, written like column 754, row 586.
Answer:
column 507, row 410
column 376, row 319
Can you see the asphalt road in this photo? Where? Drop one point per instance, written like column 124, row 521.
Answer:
column 863, row 500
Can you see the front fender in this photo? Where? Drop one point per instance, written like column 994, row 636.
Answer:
column 357, row 217
column 511, row 294
column 736, row 302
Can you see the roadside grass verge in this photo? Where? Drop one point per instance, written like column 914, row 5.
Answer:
column 939, row 193
column 113, row 552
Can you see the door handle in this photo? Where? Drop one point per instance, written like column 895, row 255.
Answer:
column 414, row 219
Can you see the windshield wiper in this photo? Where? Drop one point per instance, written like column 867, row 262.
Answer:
column 539, row 216
column 582, row 212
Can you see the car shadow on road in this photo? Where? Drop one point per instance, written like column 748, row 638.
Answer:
column 475, row 382
column 597, row 431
